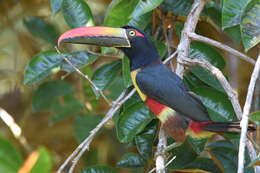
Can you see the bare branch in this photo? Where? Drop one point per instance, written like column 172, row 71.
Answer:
column 189, row 27
column 85, row 76
column 79, row 151
column 160, row 155
column 15, row 129
column 232, row 95
column 217, row 44
column 246, row 111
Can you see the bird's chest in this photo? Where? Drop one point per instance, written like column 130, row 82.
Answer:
column 133, row 77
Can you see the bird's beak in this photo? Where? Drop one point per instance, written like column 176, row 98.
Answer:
column 99, row 36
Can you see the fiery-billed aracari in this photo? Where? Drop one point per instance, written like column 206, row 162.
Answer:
column 162, row 90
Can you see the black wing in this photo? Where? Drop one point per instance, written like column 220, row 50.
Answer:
column 161, row 84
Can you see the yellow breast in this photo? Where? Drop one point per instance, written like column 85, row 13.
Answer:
column 133, row 76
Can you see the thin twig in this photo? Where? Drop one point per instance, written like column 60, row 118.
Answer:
column 223, row 81
column 160, row 155
column 232, row 95
column 246, row 111
column 85, row 76
column 167, row 164
column 189, row 27
column 217, row 44
column 15, row 129
column 78, row 152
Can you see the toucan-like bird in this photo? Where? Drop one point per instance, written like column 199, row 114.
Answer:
column 180, row 111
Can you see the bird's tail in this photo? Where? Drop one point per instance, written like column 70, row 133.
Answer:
column 233, row 127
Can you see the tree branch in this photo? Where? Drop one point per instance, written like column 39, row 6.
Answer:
column 232, row 95
column 160, row 154
column 79, row 151
column 189, row 27
column 217, row 44
column 246, row 111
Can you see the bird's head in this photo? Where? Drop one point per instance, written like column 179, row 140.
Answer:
column 132, row 41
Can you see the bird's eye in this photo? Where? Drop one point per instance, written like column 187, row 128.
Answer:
column 132, row 33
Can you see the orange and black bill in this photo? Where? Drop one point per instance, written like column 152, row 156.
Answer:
column 99, row 36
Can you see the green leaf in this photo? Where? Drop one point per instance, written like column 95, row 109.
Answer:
column 203, row 51
column 141, row 22
column 212, row 10
column 39, row 28
column 184, row 155
column 197, row 144
column 145, row 6
column 42, row 65
column 62, row 109
column 132, row 121
column 84, row 124
column 255, row 117
column 44, row 96
column 119, row 12
column 10, row 157
column 232, row 11
column 225, row 153
column 55, row 6
column 250, row 25
column 99, row 169
column 126, row 72
column 217, row 104
column 203, row 164
column 48, row 62
column 43, row 163
column 178, row 7
column 144, row 141
column 235, row 33
column 105, row 74
column 192, row 81
column 78, row 59
column 131, row 160
column 77, row 13
column 206, row 76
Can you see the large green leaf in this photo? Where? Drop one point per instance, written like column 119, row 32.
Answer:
column 178, row 7
column 119, row 12
column 39, row 28
column 225, row 153
column 126, row 72
column 84, row 124
column 204, row 164
column 78, row 59
column 212, row 10
column 232, row 11
column 217, row 104
column 141, row 22
column 255, row 117
column 131, row 160
column 64, row 108
column 197, row 144
column 235, row 33
column 77, row 13
column 48, row 62
column 132, row 121
column 184, row 155
column 42, row 65
column 250, row 25
column 10, row 157
column 144, row 141
column 105, row 74
column 44, row 96
column 204, row 51
column 99, row 169
column 55, row 6
column 145, row 6
column 43, row 163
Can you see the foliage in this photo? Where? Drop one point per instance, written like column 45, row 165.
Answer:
column 135, row 125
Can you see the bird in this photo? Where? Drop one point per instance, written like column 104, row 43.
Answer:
column 180, row 111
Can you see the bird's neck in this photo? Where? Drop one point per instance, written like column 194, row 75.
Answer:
column 141, row 60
